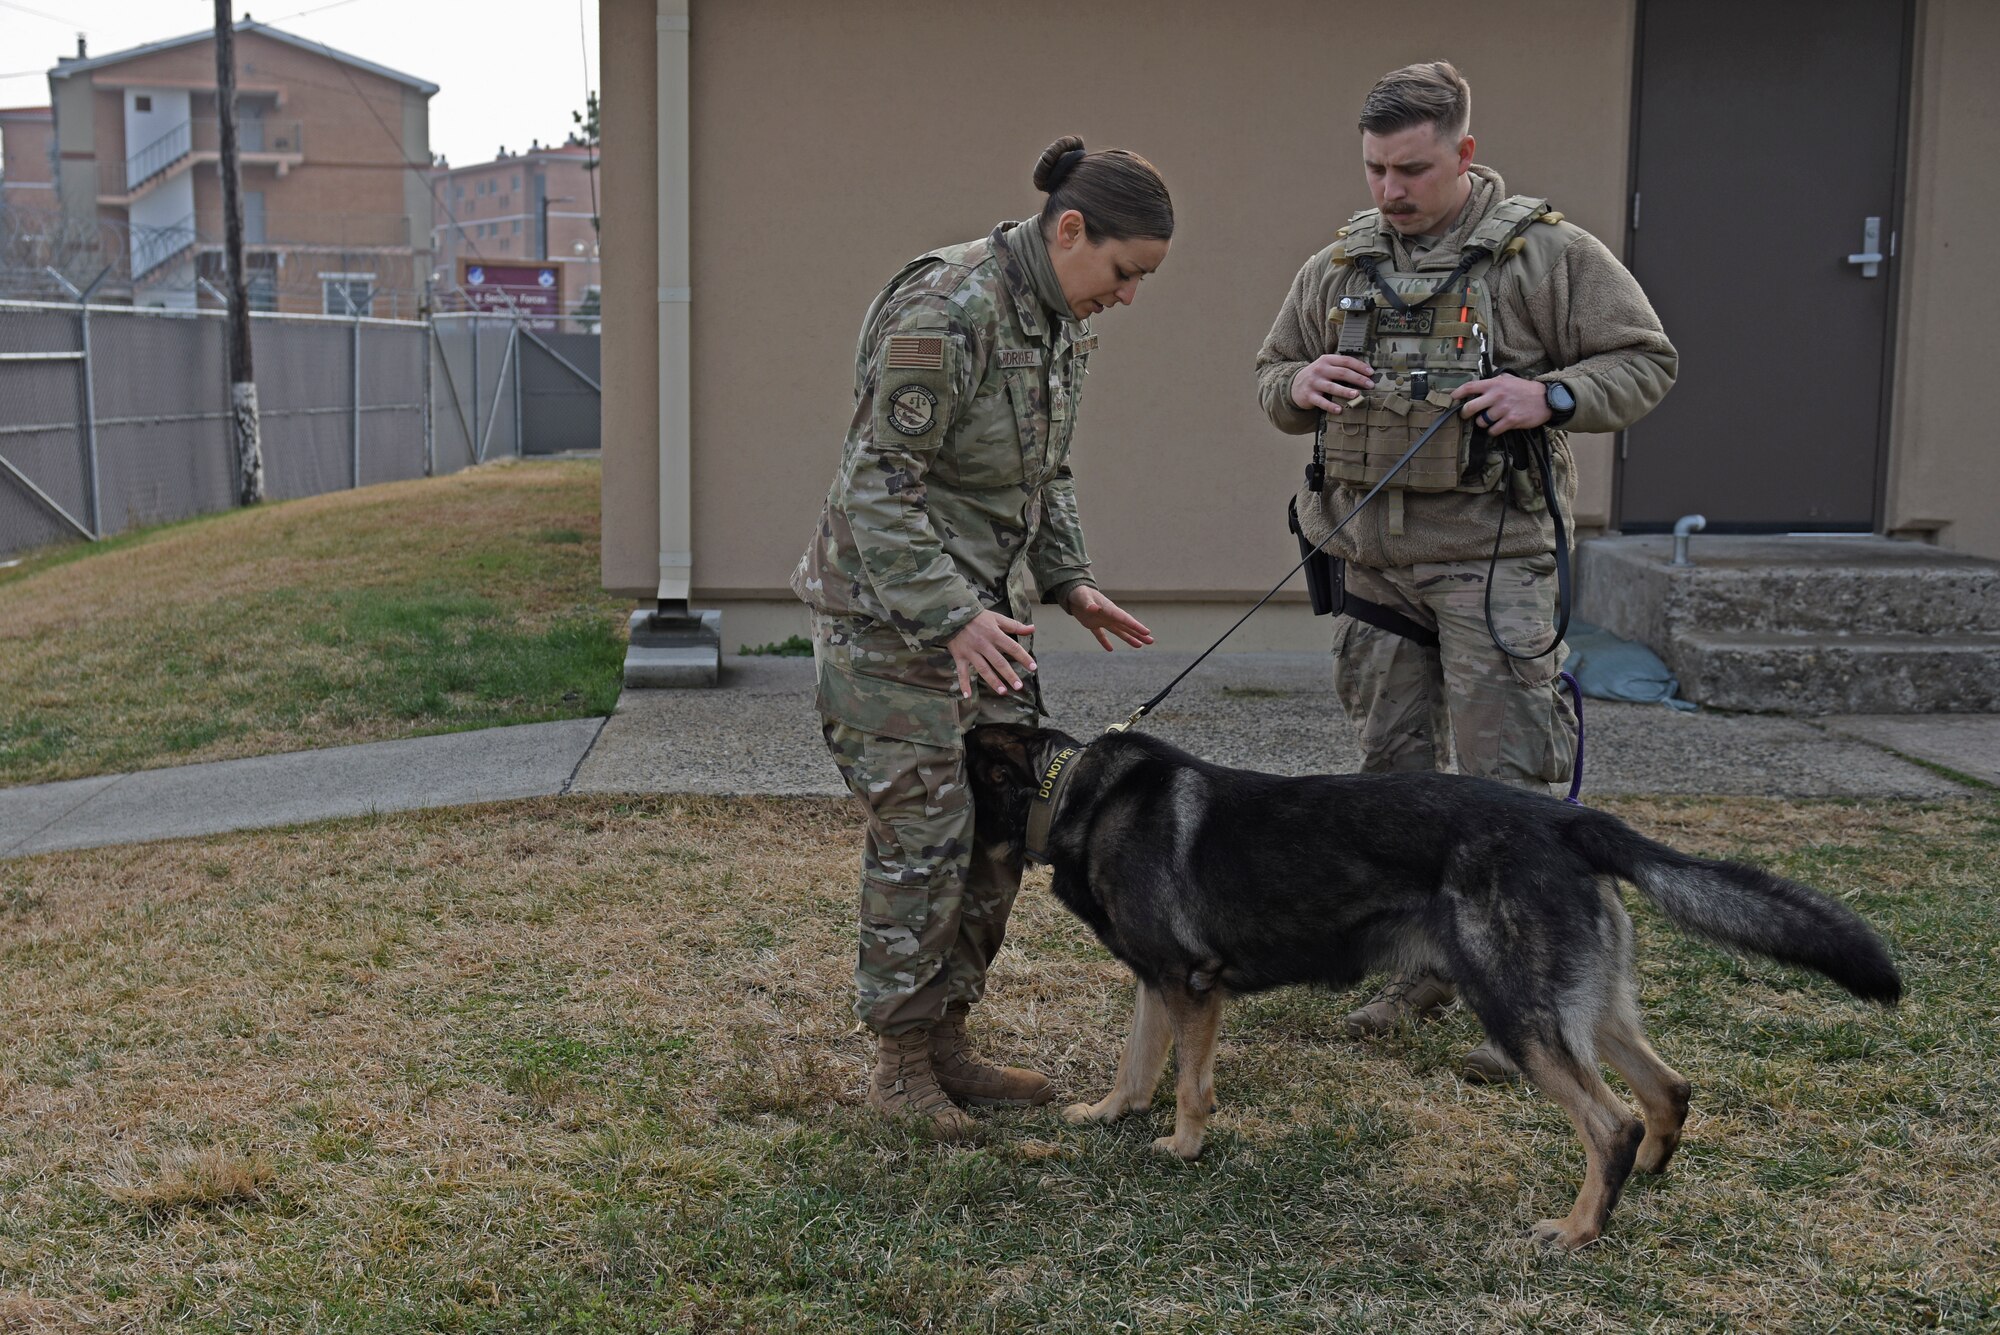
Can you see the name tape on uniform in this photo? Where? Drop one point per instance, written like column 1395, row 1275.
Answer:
column 915, row 352
column 1013, row 357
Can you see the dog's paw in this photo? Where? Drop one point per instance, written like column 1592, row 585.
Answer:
column 1654, row 1154
column 1106, row 1110
column 1561, row 1235
column 1175, row 1146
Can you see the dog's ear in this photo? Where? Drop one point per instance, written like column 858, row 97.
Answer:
column 1000, row 752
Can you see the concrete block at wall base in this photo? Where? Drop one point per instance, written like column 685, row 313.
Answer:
column 1848, row 674
column 1805, row 624
column 673, row 656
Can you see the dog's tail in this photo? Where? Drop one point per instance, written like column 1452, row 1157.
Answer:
column 1745, row 908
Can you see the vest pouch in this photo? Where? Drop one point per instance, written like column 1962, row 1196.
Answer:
column 1371, row 438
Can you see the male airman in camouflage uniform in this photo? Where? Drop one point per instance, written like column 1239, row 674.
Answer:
column 954, row 496
column 1383, row 332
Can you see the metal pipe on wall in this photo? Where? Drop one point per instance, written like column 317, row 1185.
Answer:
column 675, row 297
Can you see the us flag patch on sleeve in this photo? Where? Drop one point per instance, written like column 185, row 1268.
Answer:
column 915, row 352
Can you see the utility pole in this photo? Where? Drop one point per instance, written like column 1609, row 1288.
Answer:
column 242, row 384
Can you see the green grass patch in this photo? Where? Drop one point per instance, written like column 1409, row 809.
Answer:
column 587, row 1065
column 792, row 646
column 461, row 602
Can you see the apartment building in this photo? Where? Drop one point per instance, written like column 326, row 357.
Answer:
column 335, row 155
column 27, row 162
column 538, row 207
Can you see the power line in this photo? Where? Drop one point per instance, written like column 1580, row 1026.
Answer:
column 53, row 18
column 424, row 173
column 286, row 18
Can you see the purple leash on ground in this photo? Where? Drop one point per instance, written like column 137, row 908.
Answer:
column 1576, row 771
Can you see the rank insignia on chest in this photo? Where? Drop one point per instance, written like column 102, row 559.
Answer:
column 1088, row 343
column 912, row 409
column 915, row 352
column 1011, row 358
column 1418, row 322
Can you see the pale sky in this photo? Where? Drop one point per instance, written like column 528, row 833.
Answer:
column 507, row 70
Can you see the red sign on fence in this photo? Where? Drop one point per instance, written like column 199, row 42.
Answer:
column 533, row 291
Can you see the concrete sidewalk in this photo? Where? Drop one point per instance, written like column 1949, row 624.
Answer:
column 452, row 769
column 756, row 733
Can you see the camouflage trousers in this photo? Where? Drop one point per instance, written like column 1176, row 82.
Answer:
column 1414, row 706
column 934, row 899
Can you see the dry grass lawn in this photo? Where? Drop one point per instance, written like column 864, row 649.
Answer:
column 585, row 1065
column 407, row 608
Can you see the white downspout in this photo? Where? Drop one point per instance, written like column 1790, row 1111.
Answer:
column 676, row 276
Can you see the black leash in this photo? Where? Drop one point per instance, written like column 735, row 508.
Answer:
column 1408, row 455
column 1537, row 445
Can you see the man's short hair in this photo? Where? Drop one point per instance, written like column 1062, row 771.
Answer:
column 1432, row 92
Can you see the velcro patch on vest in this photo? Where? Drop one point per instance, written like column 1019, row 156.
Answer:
column 913, row 409
column 1013, row 358
column 915, row 352
column 1419, row 322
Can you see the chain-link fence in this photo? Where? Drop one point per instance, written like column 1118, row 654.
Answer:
column 538, row 389
column 115, row 416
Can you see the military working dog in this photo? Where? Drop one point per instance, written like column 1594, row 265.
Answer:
column 1207, row 881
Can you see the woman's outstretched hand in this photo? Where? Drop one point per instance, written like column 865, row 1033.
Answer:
column 1104, row 618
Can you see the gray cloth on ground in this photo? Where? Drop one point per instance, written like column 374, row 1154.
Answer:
column 1607, row 667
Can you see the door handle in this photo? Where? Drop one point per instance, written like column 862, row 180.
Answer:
column 1870, row 258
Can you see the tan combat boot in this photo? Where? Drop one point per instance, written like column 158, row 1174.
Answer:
column 969, row 1080
column 1487, row 1065
column 905, row 1086
column 1403, row 1000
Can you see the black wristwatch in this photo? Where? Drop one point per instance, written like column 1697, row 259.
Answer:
column 1562, row 403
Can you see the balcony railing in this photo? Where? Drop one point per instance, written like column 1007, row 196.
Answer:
column 259, row 141
column 159, row 155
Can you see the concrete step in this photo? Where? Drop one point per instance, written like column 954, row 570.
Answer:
column 1836, row 586
column 1775, row 672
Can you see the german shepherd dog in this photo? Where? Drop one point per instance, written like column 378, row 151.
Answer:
column 1208, row 882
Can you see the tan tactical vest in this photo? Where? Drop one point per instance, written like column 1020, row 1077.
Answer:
column 1422, row 349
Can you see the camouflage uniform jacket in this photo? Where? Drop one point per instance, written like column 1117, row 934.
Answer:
column 954, row 493
column 1564, row 309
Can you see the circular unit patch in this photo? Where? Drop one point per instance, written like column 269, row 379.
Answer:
column 912, row 410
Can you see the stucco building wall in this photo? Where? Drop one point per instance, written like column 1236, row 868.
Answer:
column 812, row 182
column 1944, row 472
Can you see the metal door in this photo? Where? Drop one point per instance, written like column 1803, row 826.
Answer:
column 1767, row 148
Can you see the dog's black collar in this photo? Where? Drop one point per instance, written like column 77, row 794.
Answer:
column 1048, row 793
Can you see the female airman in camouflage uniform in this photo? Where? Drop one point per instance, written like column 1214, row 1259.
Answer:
column 953, row 510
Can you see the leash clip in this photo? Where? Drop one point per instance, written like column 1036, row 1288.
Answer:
column 1126, row 726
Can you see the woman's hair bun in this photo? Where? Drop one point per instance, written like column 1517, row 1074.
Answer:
column 1058, row 160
